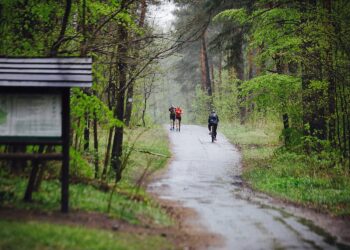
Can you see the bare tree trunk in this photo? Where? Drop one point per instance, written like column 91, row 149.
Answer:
column 83, row 53
column 32, row 177
column 55, row 47
column 144, row 112
column 117, row 149
column 206, row 67
column 202, row 63
column 220, row 73
column 75, row 144
column 281, row 69
column 130, row 93
column 107, row 155
column 111, row 94
column 212, row 77
column 96, row 156
column 146, row 95
column 87, row 133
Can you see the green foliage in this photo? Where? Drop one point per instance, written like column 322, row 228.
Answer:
column 79, row 166
column 275, row 92
column 307, row 180
column 225, row 99
column 86, row 198
column 83, row 104
column 38, row 235
column 312, row 179
column 263, row 134
column 125, row 206
column 201, row 106
column 24, row 27
column 236, row 15
column 274, row 34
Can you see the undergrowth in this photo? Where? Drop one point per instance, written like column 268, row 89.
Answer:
column 130, row 201
column 312, row 180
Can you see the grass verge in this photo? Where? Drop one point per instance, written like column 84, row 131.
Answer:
column 35, row 235
column 307, row 180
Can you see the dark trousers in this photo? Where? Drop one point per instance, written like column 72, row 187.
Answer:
column 172, row 120
column 213, row 127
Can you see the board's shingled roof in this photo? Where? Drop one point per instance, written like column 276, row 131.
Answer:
column 45, row 72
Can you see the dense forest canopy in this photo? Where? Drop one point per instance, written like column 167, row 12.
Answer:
column 283, row 58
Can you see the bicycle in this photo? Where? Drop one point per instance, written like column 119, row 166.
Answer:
column 213, row 133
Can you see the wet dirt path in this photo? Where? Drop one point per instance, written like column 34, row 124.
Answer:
column 205, row 177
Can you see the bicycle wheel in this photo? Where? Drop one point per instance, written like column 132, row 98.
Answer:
column 212, row 136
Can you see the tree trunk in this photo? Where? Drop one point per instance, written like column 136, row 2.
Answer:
column 117, row 149
column 220, row 73
column 212, row 77
column 87, row 133
column 107, row 155
column 83, row 53
column 237, row 61
column 55, row 47
column 144, row 112
column 206, row 67
column 129, row 102
column 130, row 94
column 202, row 63
column 32, row 177
column 96, row 156
column 286, row 129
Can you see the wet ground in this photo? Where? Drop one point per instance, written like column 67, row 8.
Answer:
column 205, row 177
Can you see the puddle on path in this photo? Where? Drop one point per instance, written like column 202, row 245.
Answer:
column 205, row 177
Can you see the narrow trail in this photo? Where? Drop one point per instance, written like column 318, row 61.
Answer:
column 205, row 177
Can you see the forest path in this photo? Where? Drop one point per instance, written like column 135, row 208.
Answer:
column 205, row 177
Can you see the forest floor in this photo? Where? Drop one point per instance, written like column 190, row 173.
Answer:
column 177, row 236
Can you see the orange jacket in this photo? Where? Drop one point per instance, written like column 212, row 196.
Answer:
column 178, row 112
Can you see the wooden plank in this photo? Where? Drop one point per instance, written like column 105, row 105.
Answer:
column 52, row 84
column 65, row 150
column 46, row 66
column 47, row 60
column 46, row 71
column 46, row 78
column 31, row 142
column 27, row 156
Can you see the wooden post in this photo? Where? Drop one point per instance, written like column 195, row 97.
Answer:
column 65, row 150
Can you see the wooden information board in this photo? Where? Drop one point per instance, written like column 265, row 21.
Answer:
column 27, row 115
column 35, row 107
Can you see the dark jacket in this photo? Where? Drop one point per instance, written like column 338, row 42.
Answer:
column 213, row 118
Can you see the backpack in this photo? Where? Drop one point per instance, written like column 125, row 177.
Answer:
column 213, row 119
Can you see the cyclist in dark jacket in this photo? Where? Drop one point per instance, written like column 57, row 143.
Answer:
column 213, row 121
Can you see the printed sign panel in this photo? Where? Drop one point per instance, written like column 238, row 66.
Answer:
column 35, row 115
